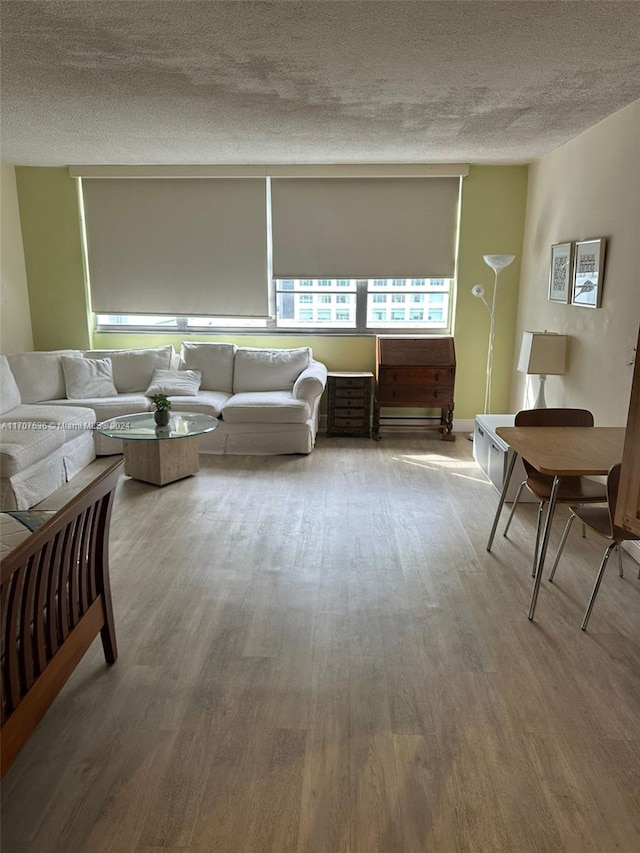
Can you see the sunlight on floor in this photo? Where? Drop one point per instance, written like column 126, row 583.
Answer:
column 435, row 462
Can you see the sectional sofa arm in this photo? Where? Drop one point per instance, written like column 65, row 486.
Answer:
column 311, row 382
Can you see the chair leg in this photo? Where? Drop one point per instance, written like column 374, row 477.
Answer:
column 619, row 550
column 561, row 547
column 596, row 586
column 538, row 532
column 513, row 507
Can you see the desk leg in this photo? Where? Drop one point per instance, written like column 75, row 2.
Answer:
column 543, row 547
column 503, row 495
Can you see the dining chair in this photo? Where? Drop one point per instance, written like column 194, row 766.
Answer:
column 572, row 490
column 601, row 520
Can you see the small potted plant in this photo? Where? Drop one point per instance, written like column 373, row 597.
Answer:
column 163, row 407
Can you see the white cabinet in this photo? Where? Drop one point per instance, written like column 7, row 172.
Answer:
column 493, row 455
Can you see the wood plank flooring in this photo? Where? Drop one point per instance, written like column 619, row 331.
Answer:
column 318, row 655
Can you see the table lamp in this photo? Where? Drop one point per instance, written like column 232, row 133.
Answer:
column 543, row 353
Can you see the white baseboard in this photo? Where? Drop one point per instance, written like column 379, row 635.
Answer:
column 463, row 424
column 459, row 424
column 633, row 549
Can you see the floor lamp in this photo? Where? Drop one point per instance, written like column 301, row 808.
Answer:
column 497, row 264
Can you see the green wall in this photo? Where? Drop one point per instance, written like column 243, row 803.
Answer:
column 492, row 221
column 53, row 256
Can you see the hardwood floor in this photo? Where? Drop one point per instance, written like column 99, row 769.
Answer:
column 318, row 654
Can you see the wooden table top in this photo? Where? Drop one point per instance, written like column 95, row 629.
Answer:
column 567, row 451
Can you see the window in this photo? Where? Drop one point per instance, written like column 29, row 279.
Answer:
column 144, row 322
column 417, row 291
column 326, row 304
column 401, row 223
column 323, row 296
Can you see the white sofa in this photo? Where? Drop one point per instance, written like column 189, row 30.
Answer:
column 267, row 400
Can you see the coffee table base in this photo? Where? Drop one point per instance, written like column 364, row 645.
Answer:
column 163, row 461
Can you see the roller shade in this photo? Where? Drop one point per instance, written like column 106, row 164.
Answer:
column 177, row 246
column 364, row 228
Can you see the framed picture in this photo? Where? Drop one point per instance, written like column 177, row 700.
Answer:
column 588, row 272
column 560, row 272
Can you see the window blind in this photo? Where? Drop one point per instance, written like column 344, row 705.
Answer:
column 177, row 246
column 364, row 228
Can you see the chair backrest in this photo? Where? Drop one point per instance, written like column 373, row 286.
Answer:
column 552, row 418
column 613, row 483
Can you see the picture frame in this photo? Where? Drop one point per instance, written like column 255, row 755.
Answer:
column 560, row 272
column 588, row 272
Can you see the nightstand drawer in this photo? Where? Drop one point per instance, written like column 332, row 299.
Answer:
column 343, row 395
column 350, row 412
column 361, row 382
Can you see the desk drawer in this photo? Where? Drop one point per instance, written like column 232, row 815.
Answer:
column 416, row 376
column 410, row 395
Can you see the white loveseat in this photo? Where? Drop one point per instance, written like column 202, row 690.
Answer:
column 267, row 400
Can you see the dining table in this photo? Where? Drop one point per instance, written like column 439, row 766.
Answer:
column 559, row 452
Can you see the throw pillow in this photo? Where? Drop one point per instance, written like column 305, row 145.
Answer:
column 88, row 377
column 268, row 369
column 179, row 383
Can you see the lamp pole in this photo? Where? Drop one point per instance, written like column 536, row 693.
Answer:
column 497, row 264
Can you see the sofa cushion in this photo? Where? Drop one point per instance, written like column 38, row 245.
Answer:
column 268, row 369
column 39, row 375
column 133, row 368
column 88, row 377
column 182, row 383
column 109, row 407
column 23, row 444
column 9, row 391
column 213, row 360
column 205, row 403
column 269, row 407
column 72, row 420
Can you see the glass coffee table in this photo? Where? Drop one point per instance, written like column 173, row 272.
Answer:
column 155, row 454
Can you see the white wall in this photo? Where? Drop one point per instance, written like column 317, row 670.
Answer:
column 15, row 316
column 588, row 188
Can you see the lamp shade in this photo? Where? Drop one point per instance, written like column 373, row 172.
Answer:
column 543, row 353
column 498, row 262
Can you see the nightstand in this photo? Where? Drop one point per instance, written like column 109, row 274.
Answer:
column 349, row 403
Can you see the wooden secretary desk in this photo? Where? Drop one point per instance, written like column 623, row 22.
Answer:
column 416, row 372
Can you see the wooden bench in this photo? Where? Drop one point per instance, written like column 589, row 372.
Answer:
column 55, row 598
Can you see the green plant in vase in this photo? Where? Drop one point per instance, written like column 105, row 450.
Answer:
column 163, row 408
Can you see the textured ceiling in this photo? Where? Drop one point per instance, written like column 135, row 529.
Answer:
column 182, row 81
